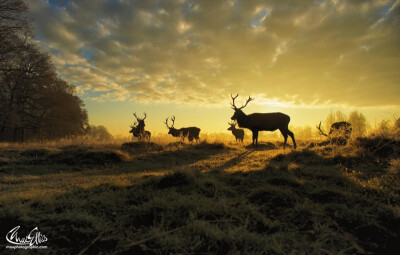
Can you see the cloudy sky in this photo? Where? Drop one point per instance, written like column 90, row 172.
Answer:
column 186, row 57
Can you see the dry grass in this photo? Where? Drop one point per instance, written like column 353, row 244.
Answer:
column 211, row 197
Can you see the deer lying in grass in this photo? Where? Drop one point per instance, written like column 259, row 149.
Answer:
column 262, row 122
column 339, row 132
column 139, row 130
column 189, row 132
column 237, row 132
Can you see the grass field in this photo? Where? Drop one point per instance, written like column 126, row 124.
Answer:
column 204, row 198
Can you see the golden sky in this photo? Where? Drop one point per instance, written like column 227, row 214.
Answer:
column 186, row 57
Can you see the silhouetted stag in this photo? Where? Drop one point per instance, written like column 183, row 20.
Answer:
column 339, row 132
column 262, row 122
column 139, row 130
column 135, row 132
column 237, row 132
column 189, row 132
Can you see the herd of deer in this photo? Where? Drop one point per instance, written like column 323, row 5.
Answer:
column 255, row 122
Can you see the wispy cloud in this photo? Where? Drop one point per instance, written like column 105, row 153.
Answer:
column 345, row 52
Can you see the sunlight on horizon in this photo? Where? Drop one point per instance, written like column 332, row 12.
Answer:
column 178, row 58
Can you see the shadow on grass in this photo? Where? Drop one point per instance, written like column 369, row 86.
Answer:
column 262, row 146
column 137, row 156
column 300, row 203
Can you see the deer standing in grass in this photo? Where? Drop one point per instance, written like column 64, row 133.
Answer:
column 189, row 132
column 262, row 121
column 237, row 132
column 139, row 130
column 135, row 132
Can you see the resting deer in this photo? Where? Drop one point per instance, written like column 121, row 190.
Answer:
column 262, row 121
column 189, row 132
column 237, row 132
column 139, row 130
column 339, row 131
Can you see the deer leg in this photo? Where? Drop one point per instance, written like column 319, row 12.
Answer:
column 255, row 137
column 292, row 136
column 285, row 135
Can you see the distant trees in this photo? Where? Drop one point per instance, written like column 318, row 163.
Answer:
column 334, row 117
column 304, row 132
column 99, row 133
column 359, row 123
column 34, row 102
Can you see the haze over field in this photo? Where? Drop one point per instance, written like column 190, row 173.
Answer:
column 185, row 58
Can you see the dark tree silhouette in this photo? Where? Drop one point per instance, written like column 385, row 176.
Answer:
column 34, row 102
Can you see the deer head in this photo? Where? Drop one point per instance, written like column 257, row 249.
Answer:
column 141, row 124
column 138, row 119
column 238, row 111
column 133, row 127
column 232, row 125
column 171, row 128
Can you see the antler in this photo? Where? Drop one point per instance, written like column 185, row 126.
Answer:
column 133, row 125
column 134, row 114
column 248, row 100
column 320, row 131
column 233, row 101
column 243, row 106
column 166, row 122
column 232, row 123
column 173, row 121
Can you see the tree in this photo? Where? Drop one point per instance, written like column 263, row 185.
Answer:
column 65, row 115
column 359, row 123
column 15, row 28
column 99, row 133
column 334, row 117
column 34, row 102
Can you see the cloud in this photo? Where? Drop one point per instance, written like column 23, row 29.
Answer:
column 198, row 52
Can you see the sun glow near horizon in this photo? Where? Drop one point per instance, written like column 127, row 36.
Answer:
column 185, row 58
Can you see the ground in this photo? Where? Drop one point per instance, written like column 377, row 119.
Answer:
column 207, row 197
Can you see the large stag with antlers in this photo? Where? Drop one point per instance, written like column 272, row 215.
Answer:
column 262, row 121
column 237, row 132
column 189, row 132
column 139, row 129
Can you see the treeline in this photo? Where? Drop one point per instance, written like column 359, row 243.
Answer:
column 34, row 102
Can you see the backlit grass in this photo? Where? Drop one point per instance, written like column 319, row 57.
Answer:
column 212, row 197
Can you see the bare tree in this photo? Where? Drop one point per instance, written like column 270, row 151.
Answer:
column 262, row 121
column 189, row 132
column 333, row 117
column 34, row 102
column 359, row 123
column 100, row 133
column 15, row 28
